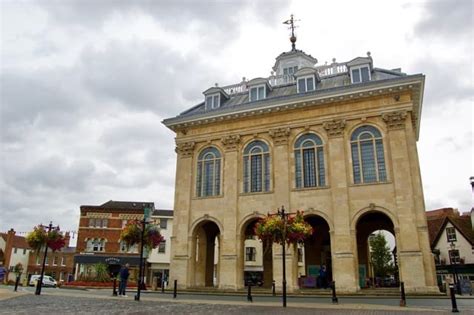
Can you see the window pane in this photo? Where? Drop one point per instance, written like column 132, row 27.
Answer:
column 208, row 177
column 209, row 102
column 253, row 94
column 217, row 180
column 216, row 101
column 285, row 71
column 261, row 93
column 355, row 76
column 199, row 179
column 380, row 160
column 355, row 163
column 321, row 173
column 267, row 172
column 364, row 74
column 301, row 86
column 309, row 84
column 298, row 168
column 309, row 168
column 256, row 173
column 246, row 174
column 368, row 162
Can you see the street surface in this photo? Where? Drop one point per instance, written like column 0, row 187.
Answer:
column 68, row 301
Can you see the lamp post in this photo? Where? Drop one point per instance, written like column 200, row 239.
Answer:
column 39, row 284
column 140, row 269
column 453, row 262
column 284, row 216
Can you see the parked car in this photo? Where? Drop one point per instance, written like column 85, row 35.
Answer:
column 47, row 281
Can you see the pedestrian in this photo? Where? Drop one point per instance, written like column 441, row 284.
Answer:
column 322, row 277
column 124, row 273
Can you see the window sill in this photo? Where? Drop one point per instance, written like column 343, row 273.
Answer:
column 370, row 184
column 208, row 197
column 311, row 188
column 256, row 193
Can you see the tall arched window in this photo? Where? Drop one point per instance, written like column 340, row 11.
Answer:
column 256, row 167
column 208, row 179
column 309, row 162
column 368, row 160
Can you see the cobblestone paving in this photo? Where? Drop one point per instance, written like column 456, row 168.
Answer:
column 55, row 304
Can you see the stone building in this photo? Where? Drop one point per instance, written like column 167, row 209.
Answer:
column 337, row 141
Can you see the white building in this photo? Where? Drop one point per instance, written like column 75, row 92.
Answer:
column 159, row 258
column 14, row 250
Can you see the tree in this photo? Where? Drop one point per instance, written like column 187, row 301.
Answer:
column 380, row 255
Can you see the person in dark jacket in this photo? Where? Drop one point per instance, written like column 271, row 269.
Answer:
column 124, row 273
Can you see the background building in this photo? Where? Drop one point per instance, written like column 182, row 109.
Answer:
column 59, row 264
column 98, row 239
column 159, row 258
column 13, row 250
column 452, row 243
column 337, row 141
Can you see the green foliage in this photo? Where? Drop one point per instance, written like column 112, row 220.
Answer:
column 380, row 255
column 101, row 272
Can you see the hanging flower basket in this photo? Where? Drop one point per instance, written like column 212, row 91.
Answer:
column 40, row 237
column 271, row 228
column 132, row 234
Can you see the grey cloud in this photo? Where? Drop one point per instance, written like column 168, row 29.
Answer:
column 449, row 19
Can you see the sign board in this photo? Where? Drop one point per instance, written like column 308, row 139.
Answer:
column 147, row 213
column 362, row 276
column 313, row 270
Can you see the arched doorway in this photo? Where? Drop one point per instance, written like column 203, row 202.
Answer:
column 206, row 254
column 378, row 227
column 257, row 257
column 315, row 254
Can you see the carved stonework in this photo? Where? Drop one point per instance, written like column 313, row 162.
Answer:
column 280, row 135
column 335, row 128
column 395, row 120
column 185, row 149
column 231, row 143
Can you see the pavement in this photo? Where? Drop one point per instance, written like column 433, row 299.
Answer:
column 63, row 301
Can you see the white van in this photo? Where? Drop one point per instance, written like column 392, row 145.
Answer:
column 47, row 281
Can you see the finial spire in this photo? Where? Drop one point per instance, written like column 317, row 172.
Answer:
column 292, row 26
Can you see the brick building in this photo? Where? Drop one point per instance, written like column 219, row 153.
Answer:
column 98, row 239
column 13, row 250
column 59, row 264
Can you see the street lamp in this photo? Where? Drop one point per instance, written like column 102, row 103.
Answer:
column 284, row 217
column 39, row 284
column 144, row 222
column 454, row 262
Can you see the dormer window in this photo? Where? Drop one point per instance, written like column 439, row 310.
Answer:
column 257, row 93
column 288, row 73
column 360, row 74
column 212, row 101
column 306, row 84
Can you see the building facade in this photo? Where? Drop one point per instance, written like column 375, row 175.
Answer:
column 13, row 250
column 336, row 141
column 159, row 258
column 58, row 264
column 98, row 239
column 452, row 242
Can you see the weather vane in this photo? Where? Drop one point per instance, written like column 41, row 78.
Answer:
column 292, row 26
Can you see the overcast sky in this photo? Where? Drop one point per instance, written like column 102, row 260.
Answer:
column 86, row 84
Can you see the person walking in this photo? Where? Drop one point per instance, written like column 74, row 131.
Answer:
column 323, row 277
column 124, row 273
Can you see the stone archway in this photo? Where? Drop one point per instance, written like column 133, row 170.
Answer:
column 366, row 225
column 257, row 257
column 206, row 254
column 316, row 252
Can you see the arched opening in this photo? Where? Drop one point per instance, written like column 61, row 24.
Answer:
column 376, row 247
column 206, row 253
column 257, row 256
column 315, row 255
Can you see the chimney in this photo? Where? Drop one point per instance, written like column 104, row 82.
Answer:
column 9, row 248
column 67, row 238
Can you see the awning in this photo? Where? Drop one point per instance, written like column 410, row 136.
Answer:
column 108, row 260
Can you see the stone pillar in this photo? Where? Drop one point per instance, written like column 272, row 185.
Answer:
column 280, row 158
column 410, row 243
column 291, row 267
column 181, row 248
column 344, row 267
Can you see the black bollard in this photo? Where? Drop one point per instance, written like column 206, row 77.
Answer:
column 334, row 297
column 16, row 282
column 249, row 293
column 453, row 299
column 114, row 291
column 175, row 289
column 403, row 300
column 273, row 288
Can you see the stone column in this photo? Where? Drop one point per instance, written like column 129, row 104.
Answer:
column 281, row 197
column 181, row 248
column 230, row 272
column 410, row 249
column 345, row 270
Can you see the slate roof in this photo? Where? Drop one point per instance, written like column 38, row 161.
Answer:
column 288, row 91
column 438, row 219
column 122, row 205
column 163, row 213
